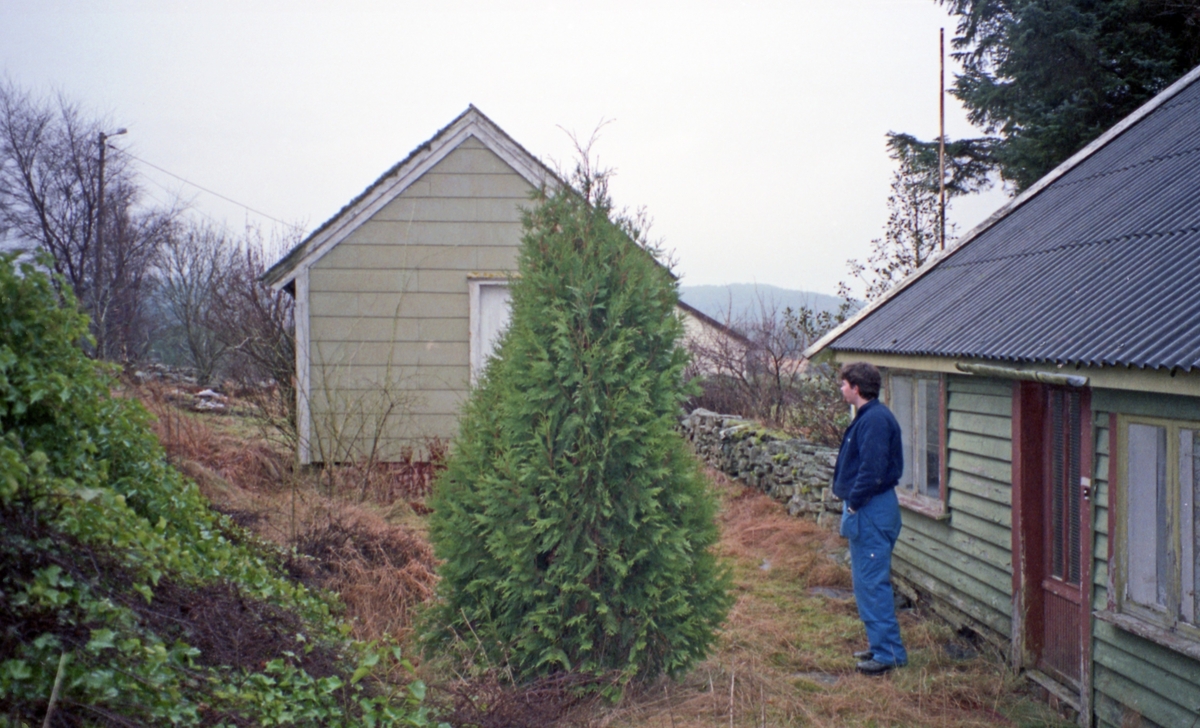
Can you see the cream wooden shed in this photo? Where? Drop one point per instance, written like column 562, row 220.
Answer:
column 400, row 296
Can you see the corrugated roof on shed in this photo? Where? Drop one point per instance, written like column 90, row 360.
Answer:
column 1100, row 267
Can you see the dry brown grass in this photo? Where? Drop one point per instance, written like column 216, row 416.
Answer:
column 225, row 447
column 366, row 545
column 783, row 655
column 783, row 658
column 380, row 570
column 755, row 527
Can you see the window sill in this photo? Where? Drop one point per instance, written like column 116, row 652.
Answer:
column 1159, row 635
column 929, row 507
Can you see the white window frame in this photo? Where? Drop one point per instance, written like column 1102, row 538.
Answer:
column 1163, row 624
column 914, row 426
column 476, row 282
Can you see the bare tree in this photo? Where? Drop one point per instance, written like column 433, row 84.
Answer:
column 133, row 242
column 193, row 267
column 256, row 324
column 768, row 379
column 913, row 232
column 50, row 200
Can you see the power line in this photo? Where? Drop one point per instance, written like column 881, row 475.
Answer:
column 211, row 192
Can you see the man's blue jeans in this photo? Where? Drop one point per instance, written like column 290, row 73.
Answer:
column 872, row 531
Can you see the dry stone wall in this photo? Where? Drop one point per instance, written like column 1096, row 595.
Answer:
column 793, row 471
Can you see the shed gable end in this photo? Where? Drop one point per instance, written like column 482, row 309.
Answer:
column 388, row 322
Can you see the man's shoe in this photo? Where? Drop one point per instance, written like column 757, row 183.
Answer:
column 864, row 655
column 871, row 667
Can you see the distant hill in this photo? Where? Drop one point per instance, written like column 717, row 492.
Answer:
column 738, row 301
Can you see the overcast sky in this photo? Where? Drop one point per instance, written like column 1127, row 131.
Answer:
column 752, row 132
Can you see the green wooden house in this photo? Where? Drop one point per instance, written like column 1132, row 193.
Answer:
column 1046, row 373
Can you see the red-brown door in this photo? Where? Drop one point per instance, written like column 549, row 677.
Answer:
column 1052, row 468
column 1063, row 533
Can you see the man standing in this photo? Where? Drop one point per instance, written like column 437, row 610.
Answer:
column 869, row 465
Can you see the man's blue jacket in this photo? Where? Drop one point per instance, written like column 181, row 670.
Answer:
column 871, row 459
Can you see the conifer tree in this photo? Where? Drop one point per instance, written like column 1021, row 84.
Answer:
column 574, row 525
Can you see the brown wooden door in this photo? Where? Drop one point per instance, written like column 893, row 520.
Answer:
column 1052, row 529
column 1063, row 536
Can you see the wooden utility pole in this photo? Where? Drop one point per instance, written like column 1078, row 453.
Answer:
column 98, row 303
column 942, row 140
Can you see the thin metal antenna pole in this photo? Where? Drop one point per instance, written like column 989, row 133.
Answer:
column 942, row 139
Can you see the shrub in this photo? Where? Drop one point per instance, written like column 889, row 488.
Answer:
column 574, row 523
column 121, row 592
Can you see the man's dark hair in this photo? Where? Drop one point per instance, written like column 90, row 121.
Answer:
column 864, row 376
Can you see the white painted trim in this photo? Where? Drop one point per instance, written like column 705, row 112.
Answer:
column 1100, row 141
column 475, row 282
column 472, row 124
column 503, row 146
column 303, row 370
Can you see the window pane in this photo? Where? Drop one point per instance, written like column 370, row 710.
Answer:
column 1166, row 574
column 1074, row 473
column 1058, row 458
column 916, row 453
column 931, row 397
column 1145, row 490
column 902, row 408
column 1189, row 514
column 488, row 323
column 494, row 312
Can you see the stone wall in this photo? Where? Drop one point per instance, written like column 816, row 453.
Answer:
column 792, row 471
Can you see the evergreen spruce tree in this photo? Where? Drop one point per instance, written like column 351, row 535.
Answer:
column 574, row 525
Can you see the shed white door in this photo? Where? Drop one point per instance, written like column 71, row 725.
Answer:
column 490, row 311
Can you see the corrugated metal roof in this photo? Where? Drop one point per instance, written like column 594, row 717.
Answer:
column 1101, row 267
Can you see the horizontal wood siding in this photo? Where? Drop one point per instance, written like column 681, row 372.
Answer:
column 963, row 564
column 1136, row 681
column 389, row 305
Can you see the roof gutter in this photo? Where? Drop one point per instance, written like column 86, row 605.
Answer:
column 986, row 370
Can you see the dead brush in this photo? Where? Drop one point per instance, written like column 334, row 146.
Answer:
column 190, row 440
column 489, row 701
column 409, row 478
column 381, row 571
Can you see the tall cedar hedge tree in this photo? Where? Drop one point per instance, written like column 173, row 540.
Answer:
column 574, row 524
